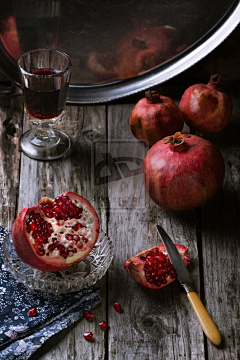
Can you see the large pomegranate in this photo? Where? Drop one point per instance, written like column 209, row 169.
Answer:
column 206, row 108
column 182, row 172
column 155, row 117
column 56, row 233
column 145, row 48
column 152, row 267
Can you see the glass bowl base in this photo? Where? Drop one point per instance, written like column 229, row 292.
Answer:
column 52, row 148
column 75, row 278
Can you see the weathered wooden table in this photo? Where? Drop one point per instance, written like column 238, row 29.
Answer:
column 105, row 167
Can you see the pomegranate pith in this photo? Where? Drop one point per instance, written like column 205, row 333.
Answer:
column 152, row 267
column 57, row 233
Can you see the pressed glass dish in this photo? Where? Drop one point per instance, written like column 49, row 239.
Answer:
column 74, row 278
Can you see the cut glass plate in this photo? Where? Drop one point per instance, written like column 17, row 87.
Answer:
column 74, row 278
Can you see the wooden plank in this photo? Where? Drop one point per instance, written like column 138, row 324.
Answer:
column 154, row 324
column 84, row 125
column 221, row 242
column 10, row 131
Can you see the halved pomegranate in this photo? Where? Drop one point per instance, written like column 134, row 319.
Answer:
column 56, row 233
column 103, row 65
column 152, row 267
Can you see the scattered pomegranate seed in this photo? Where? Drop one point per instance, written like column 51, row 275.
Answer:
column 117, row 307
column 88, row 336
column 32, row 312
column 88, row 315
column 103, row 325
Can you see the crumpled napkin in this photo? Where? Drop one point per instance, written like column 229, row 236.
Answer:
column 20, row 334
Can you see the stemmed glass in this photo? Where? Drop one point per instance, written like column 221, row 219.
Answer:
column 45, row 76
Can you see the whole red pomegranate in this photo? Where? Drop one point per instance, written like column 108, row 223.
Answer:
column 145, row 48
column 155, row 117
column 206, row 108
column 56, row 233
column 152, row 267
column 182, row 172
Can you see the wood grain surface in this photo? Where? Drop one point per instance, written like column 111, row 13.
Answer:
column 104, row 165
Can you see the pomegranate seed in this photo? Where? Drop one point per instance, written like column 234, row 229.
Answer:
column 68, row 236
column 64, row 254
column 79, row 245
column 88, row 335
column 88, row 315
column 84, row 239
column 51, row 247
column 75, row 227
column 49, row 215
column 80, row 225
column 33, row 226
column 32, row 312
column 40, row 251
column 103, row 325
column 117, row 307
column 72, row 249
column 76, row 237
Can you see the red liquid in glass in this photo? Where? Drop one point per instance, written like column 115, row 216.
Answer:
column 49, row 104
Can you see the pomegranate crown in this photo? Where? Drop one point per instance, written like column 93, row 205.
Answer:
column 153, row 96
column 176, row 139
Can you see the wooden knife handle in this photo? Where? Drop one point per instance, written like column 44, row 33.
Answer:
column 204, row 318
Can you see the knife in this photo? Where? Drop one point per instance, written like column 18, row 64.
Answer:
column 186, row 280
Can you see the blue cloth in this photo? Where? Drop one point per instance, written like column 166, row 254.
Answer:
column 20, row 334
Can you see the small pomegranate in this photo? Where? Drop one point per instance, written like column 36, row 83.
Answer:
column 182, row 172
column 103, row 65
column 117, row 307
column 152, row 267
column 88, row 315
column 103, row 325
column 206, row 108
column 57, row 233
column 88, row 336
column 154, row 117
column 145, row 48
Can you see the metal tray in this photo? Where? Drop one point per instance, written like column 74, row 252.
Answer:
column 91, row 30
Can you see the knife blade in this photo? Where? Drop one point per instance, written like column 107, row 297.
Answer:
column 175, row 258
column 206, row 322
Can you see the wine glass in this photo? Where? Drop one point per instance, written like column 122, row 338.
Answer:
column 45, row 76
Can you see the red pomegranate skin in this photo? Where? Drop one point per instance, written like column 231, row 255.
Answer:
column 135, row 266
column 151, row 122
column 25, row 249
column 206, row 108
column 185, row 175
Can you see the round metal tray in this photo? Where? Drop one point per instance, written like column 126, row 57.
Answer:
column 80, row 27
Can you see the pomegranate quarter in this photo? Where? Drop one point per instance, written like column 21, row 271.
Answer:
column 152, row 267
column 57, row 233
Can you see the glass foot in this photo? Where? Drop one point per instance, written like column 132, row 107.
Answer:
column 55, row 148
